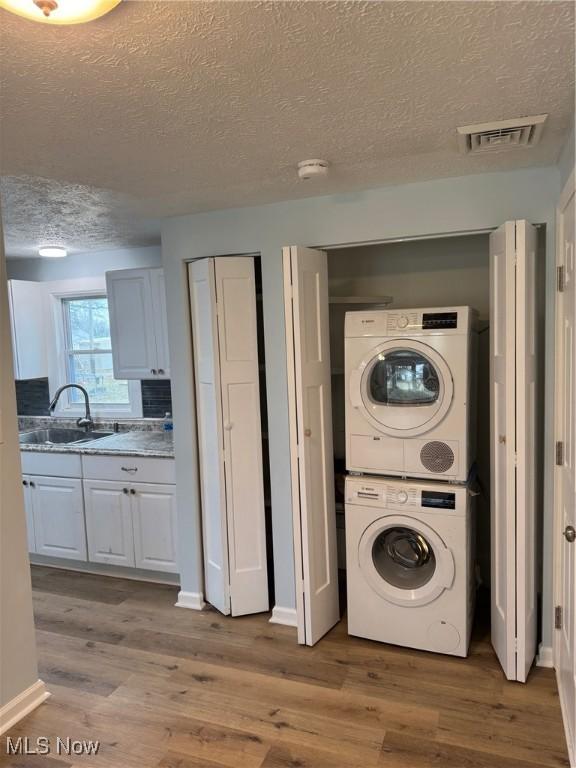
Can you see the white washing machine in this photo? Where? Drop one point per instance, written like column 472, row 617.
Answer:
column 409, row 560
column 411, row 383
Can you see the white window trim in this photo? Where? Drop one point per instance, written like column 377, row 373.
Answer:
column 57, row 356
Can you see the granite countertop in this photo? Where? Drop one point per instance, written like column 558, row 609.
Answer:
column 153, row 443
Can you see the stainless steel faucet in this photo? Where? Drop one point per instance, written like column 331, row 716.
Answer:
column 85, row 421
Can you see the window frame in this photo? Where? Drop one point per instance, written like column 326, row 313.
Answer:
column 61, row 372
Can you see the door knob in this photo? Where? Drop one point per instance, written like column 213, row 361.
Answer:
column 227, row 426
column 570, row 534
column 307, row 433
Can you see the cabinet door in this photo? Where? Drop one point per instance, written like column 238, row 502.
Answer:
column 58, row 511
column 109, row 523
column 154, row 521
column 132, row 323
column 28, row 320
column 29, row 515
column 160, row 322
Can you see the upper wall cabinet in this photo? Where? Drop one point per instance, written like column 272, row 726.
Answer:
column 28, row 320
column 138, row 323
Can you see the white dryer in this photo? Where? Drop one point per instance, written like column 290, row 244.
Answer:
column 410, row 404
column 409, row 560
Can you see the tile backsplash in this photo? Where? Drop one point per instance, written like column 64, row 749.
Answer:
column 33, row 398
column 156, row 398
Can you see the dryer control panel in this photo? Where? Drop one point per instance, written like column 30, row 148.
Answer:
column 410, row 322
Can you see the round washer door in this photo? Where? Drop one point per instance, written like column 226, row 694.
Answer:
column 405, row 561
column 406, row 388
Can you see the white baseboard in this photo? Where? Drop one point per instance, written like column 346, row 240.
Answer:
column 192, row 600
column 545, row 656
column 22, row 705
column 285, row 616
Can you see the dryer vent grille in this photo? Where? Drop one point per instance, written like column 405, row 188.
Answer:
column 436, row 456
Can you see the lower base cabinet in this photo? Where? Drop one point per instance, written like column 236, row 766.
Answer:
column 108, row 523
column 55, row 516
column 131, row 524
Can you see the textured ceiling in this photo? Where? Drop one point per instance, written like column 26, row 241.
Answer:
column 176, row 107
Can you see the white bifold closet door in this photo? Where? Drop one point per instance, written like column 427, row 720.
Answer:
column 513, row 340
column 312, row 468
column 224, row 326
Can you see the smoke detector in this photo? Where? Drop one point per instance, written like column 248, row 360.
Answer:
column 519, row 133
column 311, row 169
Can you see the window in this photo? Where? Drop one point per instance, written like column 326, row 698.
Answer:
column 87, row 349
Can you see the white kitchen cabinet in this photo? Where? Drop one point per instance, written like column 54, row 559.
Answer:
column 29, row 514
column 109, row 523
column 154, row 522
column 138, row 324
column 28, row 322
column 58, row 513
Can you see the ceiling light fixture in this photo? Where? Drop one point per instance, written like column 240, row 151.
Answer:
column 59, row 11
column 52, row 252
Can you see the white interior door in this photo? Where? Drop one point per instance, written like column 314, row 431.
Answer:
column 243, row 469
column 565, row 504
column 526, row 465
column 513, row 465
column 310, row 411
column 210, row 438
column 502, row 445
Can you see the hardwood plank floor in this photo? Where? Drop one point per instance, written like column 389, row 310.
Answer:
column 162, row 687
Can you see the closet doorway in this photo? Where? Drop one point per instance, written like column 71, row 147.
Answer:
column 320, row 286
column 226, row 317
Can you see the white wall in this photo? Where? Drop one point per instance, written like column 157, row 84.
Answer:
column 93, row 264
column 427, row 208
column 18, row 668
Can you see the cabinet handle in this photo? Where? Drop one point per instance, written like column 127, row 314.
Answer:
column 161, row 371
column 132, row 491
column 129, row 469
column 25, row 482
column 124, row 490
column 153, row 371
column 32, row 484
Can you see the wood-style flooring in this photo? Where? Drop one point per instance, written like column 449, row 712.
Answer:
column 162, row 687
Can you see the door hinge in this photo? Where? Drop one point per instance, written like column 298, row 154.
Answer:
column 560, row 278
column 558, row 617
column 559, row 453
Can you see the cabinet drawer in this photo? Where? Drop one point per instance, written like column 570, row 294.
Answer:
column 129, row 469
column 51, row 464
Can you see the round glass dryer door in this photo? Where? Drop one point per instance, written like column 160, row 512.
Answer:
column 406, row 388
column 405, row 561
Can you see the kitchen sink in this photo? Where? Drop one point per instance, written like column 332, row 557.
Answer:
column 60, row 436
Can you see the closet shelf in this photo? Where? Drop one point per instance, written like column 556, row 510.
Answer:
column 377, row 300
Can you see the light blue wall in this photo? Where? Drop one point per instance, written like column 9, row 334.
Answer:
column 93, row 264
column 566, row 159
column 429, row 208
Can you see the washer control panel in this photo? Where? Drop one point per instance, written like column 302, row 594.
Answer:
column 403, row 494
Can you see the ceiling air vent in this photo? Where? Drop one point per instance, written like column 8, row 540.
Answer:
column 505, row 134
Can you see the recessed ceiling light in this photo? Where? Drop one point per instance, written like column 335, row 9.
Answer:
column 59, row 11
column 52, row 252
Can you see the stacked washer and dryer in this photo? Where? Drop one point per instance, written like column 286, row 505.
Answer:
column 410, row 445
